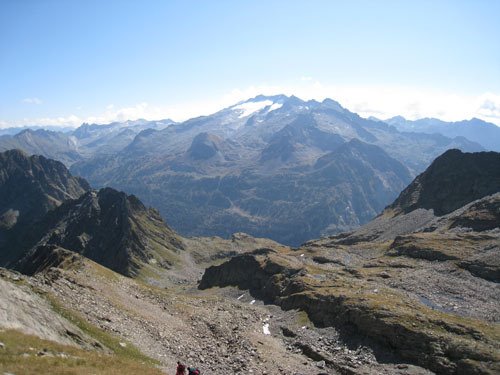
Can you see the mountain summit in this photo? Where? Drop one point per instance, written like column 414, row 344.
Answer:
column 108, row 227
column 452, row 180
column 30, row 186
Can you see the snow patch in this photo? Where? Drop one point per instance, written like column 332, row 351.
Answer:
column 265, row 329
column 248, row 108
column 275, row 106
column 240, row 297
column 252, row 302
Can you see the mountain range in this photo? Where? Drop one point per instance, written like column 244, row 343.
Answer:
column 476, row 130
column 261, row 166
column 72, row 145
column 413, row 291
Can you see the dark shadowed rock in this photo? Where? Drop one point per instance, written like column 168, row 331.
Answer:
column 453, row 180
column 109, row 227
column 30, row 186
column 204, row 146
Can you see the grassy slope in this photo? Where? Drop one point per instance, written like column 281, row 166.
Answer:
column 21, row 355
column 112, row 356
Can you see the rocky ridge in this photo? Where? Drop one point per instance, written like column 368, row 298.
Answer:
column 30, row 186
column 109, row 227
column 33, row 185
column 452, row 180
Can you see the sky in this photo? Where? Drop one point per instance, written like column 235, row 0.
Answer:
column 67, row 62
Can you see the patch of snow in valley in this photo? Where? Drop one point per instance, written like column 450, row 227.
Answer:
column 251, row 107
column 252, row 302
column 240, row 297
column 265, row 329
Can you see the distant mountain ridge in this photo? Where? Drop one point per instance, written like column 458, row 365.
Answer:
column 255, row 167
column 476, row 130
column 72, row 145
column 252, row 166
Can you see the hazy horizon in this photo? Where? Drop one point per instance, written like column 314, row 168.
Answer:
column 66, row 63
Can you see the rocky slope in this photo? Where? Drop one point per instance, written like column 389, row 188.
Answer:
column 107, row 226
column 423, row 287
column 39, row 334
column 30, row 186
column 218, row 330
column 33, row 185
column 453, row 180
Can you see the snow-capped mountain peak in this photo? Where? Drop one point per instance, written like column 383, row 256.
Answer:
column 249, row 108
column 259, row 103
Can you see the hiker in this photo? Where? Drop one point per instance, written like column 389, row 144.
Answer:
column 181, row 369
column 193, row 371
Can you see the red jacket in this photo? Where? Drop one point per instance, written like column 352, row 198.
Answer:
column 181, row 369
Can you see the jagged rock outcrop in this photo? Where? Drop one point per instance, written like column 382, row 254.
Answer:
column 45, row 257
column 109, row 227
column 349, row 301
column 452, row 180
column 32, row 185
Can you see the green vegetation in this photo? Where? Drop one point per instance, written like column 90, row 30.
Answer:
column 127, row 352
column 26, row 354
column 302, row 319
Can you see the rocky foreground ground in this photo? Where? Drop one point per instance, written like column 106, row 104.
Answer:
column 221, row 330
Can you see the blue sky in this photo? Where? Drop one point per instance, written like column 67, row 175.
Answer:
column 64, row 62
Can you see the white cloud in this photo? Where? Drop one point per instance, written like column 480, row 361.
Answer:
column 32, row 101
column 378, row 101
column 489, row 107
